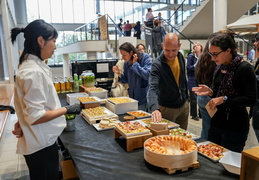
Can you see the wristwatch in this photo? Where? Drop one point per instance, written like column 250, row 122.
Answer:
column 225, row 98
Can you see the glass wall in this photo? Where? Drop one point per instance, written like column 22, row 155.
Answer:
column 86, row 11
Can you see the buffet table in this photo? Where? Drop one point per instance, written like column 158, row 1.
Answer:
column 97, row 155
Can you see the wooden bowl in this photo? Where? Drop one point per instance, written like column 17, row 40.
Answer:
column 129, row 118
column 165, row 160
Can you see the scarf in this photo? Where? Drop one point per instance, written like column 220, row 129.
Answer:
column 226, row 87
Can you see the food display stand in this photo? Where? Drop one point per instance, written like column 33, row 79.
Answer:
column 97, row 155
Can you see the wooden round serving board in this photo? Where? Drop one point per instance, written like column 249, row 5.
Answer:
column 170, row 161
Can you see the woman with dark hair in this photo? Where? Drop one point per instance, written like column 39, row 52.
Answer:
column 203, row 75
column 137, row 31
column 192, row 61
column 136, row 73
column 40, row 115
column 232, row 91
column 141, row 48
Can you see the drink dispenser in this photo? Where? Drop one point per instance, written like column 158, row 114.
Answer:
column 88, row 78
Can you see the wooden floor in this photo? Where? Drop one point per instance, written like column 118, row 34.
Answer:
column 6, row 98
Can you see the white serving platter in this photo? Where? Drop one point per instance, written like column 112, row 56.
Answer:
column 96, row 126
column 146, row 114
column 193, row 136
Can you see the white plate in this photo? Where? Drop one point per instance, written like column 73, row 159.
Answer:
column 147, row 114
column 171, row 125
column 194, row 136
column 96, row 126
column 207, row 142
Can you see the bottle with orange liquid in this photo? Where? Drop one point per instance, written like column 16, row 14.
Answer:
column 62, row 85
column 57, row 85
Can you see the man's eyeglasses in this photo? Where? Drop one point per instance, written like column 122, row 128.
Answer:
column 214, row 55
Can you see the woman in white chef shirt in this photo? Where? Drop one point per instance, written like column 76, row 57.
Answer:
column 39, row 112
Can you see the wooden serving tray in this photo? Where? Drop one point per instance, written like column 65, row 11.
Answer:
column 195, row 165
column 132, row 142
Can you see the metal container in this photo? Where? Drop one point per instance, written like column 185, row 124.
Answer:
column 70, row 125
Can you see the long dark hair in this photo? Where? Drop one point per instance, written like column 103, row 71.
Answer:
column 128, row 47
column 31, row 32
column 205, row 67
column 225, row 40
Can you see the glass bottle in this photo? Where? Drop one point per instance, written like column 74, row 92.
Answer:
column 89, row 79
column 82, row 76
column 62, row 85
column 67, row 84
column 57, row 85
column 75, row 77
column 71, row 84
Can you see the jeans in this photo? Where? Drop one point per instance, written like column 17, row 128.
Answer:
column 202, row 102
column 255, row 121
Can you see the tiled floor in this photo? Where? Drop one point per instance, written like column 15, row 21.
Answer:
column 13, row 166
column 10, row 162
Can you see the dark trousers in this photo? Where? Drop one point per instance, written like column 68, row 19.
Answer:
column 193, row 104
column 128, row 33
column 232, row 140
column 44, row 164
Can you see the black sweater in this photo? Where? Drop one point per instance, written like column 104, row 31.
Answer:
column 163, row 88
column 244, row 83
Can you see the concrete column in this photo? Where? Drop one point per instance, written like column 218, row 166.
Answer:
column 219, row 15
column 91, row 55
column 10, row 55
column 66, row 66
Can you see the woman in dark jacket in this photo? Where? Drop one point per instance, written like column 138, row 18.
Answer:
column 192, row 60
column 232, row 91
column 137, row 67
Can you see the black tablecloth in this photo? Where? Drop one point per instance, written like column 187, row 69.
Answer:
column 97, row 155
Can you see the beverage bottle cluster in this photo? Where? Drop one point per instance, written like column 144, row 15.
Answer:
column 64, row 85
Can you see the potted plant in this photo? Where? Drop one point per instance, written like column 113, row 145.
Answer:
column 70, row 119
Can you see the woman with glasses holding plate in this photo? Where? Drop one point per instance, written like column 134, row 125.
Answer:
column 233, row 89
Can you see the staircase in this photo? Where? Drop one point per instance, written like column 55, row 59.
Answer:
column 200, row 24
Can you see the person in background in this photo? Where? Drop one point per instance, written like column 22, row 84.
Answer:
column 168, row 91
column 137, row 31
column 255, row 122
column 149, row 18
column 40, row 116
column 251, row 55
column 127, row 29
column 120, row 28
column 136, row 73
column 203, row 75
column 192, row 61
column 157, row 38
column 233, row 90
column 141, row 48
